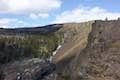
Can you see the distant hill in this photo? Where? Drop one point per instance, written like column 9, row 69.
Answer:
column 33, row 30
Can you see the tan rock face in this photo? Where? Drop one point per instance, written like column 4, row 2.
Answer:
column 102, row 55
column 99, row 59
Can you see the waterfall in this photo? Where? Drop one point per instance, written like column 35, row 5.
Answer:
column 54, row 53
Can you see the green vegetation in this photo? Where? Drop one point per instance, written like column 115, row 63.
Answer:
column 28, row 46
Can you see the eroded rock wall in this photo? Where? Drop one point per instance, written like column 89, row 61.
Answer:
column 100, row 60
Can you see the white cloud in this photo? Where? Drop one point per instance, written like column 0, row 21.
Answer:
column 35, row 16
column 28, row 7
column 43, row 15
column 6, row 21
column 12, row 23
column 21, row 24
column 82, row 14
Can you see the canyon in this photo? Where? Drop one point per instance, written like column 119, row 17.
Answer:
column 88, row 51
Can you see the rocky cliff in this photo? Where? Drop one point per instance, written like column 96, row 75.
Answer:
column 97, row 58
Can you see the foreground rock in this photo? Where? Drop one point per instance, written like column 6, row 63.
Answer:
column 29, row 69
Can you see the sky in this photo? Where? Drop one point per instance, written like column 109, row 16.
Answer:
column 34, row 13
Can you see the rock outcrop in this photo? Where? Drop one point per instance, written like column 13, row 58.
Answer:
column 99, row 58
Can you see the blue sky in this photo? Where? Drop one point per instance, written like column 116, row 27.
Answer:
column 31, row 13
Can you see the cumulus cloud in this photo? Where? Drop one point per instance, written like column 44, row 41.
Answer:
column 6, row 21
column 29, row 6
column 36, row 16
column 82, row 14
column 12, row 23
column 21, row 23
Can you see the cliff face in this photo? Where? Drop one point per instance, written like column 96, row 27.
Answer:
column 102, row 52
column 75, row 39
column 100, row 58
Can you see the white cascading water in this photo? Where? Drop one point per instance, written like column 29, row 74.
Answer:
column 54, row 53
